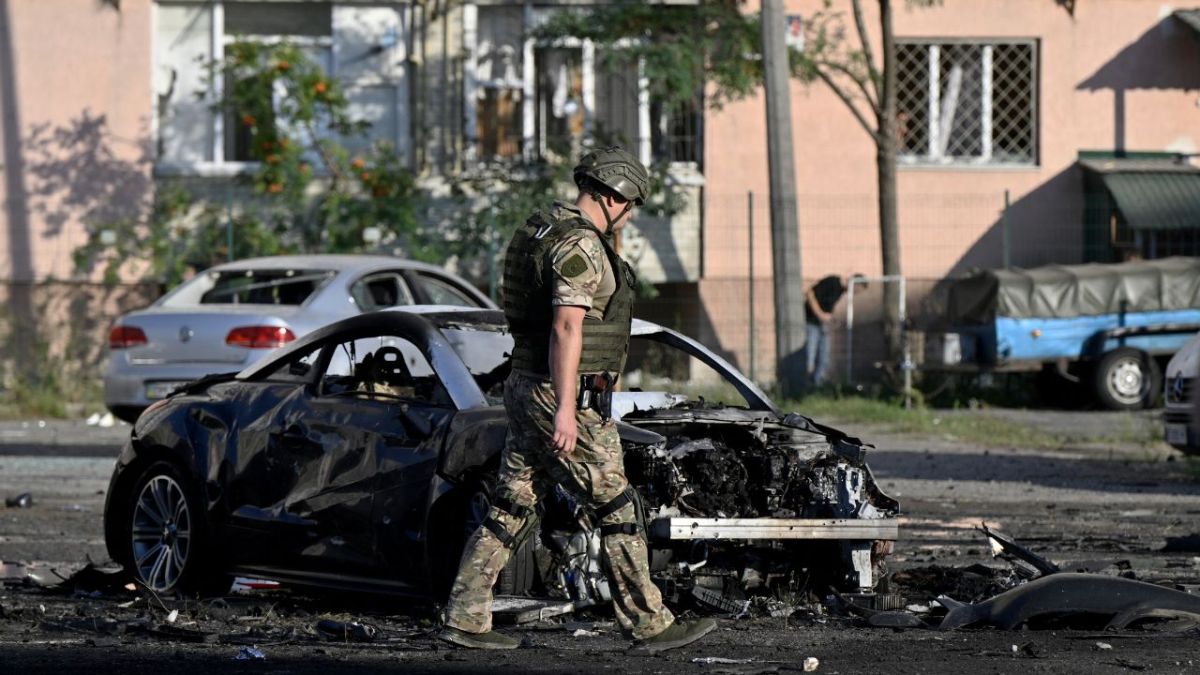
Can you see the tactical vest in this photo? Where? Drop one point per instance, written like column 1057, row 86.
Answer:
column 528, row 285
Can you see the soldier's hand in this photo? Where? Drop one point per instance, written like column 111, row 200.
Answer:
column 565, row 431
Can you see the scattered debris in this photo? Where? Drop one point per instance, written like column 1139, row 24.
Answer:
column 1185, row 544
column 1003, row 544
column 242, row 584
column 1080, row 596
column 974, row 583
column 1030, row 649
column 347, row 631
column 1103, row 646
column 250, row 654
column 21, row 501
column 894, row 619
column 12, row 572
column 583, row 632
column 173, row 616
column 710, row 660
column 811, row 664
column 510, row 609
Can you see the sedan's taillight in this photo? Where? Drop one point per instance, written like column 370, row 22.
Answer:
column 260, row 337
column 122, row 337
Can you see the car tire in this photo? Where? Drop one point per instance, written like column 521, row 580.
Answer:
column 1126, row 379
column 164, row 540
column 519, row 575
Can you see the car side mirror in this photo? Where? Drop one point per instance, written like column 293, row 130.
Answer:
column 299, row 368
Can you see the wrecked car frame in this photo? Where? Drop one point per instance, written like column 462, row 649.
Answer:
column 363, row 455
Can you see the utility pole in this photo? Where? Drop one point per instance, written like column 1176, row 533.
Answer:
column 785, row 236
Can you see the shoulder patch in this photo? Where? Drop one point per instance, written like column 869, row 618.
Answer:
column 574, row 266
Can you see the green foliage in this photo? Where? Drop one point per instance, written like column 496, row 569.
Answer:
column 307, row 192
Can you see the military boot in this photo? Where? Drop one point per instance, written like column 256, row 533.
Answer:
column 677, row 634
column 488, row 640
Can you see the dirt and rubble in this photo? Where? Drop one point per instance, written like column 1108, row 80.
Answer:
column 1120, row 510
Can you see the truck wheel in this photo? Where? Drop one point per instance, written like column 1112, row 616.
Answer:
column 1127, row 379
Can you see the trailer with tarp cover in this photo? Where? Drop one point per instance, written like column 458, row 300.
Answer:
column 1108, row 325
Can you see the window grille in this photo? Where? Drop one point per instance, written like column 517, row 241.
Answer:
column 967, row 103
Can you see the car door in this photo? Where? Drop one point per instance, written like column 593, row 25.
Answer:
column 268, row 466
column 406, row 462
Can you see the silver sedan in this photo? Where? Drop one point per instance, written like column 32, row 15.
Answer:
column 228, row 317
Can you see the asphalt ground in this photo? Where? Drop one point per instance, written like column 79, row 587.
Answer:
column 1103, row 504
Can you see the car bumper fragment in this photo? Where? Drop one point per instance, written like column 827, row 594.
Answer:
column 775, row 528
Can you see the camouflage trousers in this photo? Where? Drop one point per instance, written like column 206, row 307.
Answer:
column 529, row 468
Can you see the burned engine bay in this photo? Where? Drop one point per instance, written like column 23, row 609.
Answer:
column 702, row 466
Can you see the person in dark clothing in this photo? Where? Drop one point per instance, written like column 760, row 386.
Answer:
column 821, row 298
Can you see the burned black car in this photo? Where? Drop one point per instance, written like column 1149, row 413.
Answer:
column 363, row 455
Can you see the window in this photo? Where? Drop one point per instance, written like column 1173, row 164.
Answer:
column 382, row 367
column 553, row 100
column 363, row 46
column 967, row 103
column 442, row 292
column 309, row 25
column 379, row 291
column 298, row 369
column 253, row 287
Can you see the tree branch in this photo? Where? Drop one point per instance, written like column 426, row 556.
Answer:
column 837, row 90
column 858, row 81
column 868, row 52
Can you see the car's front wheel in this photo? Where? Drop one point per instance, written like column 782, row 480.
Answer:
column 165, row 538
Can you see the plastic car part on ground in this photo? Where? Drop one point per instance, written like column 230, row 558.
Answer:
column 21, row 501
column 1123, row 601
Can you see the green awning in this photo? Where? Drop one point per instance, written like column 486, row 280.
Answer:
column 1152, row 195
column 1189, row 17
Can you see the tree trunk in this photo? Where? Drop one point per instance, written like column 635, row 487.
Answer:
column 885, row 161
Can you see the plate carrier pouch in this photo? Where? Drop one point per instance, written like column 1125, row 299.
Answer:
column 528, row 280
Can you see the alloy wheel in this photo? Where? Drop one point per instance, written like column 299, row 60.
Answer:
column 161, row 533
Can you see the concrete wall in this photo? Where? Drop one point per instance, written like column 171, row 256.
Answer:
column 1118, row 74
column 77, row 111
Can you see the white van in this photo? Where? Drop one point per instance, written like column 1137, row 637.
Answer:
column 1180, row 407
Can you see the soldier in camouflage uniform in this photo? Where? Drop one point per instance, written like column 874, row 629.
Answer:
column 568, row 298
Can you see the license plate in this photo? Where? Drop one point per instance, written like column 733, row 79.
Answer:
column 1177, row 434
column 157, row 390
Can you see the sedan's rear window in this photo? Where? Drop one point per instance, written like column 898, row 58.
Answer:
column 249, row 287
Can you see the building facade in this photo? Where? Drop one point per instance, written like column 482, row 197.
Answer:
column 1016, row 122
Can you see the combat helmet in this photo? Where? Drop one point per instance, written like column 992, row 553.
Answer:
column 616, row 169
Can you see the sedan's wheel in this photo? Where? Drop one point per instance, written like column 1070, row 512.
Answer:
column 165, row 541
column 161, row 533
